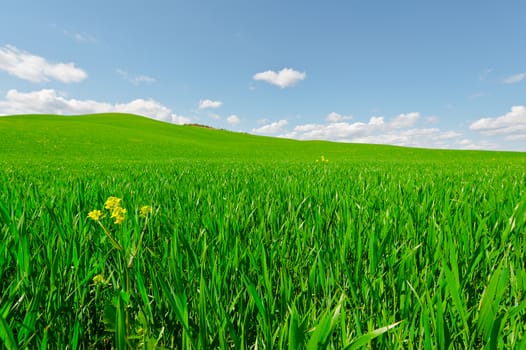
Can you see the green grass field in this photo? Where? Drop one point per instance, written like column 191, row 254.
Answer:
column 253, row 242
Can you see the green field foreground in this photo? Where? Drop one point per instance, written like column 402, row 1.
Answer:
column 253, row 242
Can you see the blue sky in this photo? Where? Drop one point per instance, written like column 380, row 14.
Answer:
column 441, row 74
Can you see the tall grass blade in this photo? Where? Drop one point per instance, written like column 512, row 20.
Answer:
column 324, row 328
column 7, row 335
column 368, row 337
column 490, row 301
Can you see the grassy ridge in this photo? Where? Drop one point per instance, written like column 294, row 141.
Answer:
column 110, row 137
column 252, row 243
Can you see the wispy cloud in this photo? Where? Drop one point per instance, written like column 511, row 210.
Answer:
column 484, row 75
column 203, row 104
column 480, row 145
column 286, row 77
column 432, row 119
column 80, row 37
column 83, row 37
column 476, row 95
column 51, row 101
column 134, row 78
column 37, row 69
column 513, row 79
column 272, row 128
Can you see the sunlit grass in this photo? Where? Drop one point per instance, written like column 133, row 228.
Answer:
column 397, row 251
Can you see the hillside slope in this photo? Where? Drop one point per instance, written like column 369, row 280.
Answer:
column 125, row 137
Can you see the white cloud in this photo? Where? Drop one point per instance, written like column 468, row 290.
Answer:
column 485, row 73
column 209, row 104
column 35, row 68
column 432, row 119
column 505, row 132
column 284, row 78
column 400, row 130
column 179, row 119
column 476, row 95
column 416, row 137
column 473, row 145
column 233, row 119
column 51, row 101
column 518, row 137
column 272, row 128
column 80, row 37
column 214, row 116
column 511, row 125
column 334, row 117
column 341, row 131
column 378, row 132
column 514, row 78
column 134, row 79
column 376, row 121
column 405, row 120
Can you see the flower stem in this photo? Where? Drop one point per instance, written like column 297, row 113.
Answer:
column 113, row 241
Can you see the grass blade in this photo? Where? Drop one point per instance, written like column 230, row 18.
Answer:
column 7, row 335
column 368, row 337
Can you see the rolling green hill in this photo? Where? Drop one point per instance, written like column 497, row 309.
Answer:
column 122, row 137
column 118, row 231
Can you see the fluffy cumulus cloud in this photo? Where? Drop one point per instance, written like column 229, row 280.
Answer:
column 405, row 120
column 340, row 131
column 203, row 104
column 511, row 126
column 27, row 66
column 514, row 78
column 51, row 101
column 271, row 128
column 233, row 119
column 134, row 78
column 286, row 77
column 415, row 137
column 401, row 130
column 504, row 132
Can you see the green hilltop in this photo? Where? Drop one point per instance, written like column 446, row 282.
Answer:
column 125, row 137
column 246, row 240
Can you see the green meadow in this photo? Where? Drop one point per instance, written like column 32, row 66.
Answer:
column 227, row 240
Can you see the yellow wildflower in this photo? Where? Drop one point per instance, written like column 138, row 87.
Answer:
column 112, row 203
column 118, row 213
column 98, row 279
column 145, row 210
column 95, row 215
column 322, row 160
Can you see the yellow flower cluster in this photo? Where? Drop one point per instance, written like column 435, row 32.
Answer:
column 145, row 211
column 322, row 160
column 113, row 204
column 118, row 214
column 99, row 279
column 95, row 215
